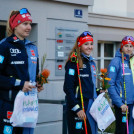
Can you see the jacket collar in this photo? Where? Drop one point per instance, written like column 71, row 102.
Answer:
column 17, row 42
column 89, row 58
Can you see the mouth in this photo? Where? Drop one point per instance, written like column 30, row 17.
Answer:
column 27, row 32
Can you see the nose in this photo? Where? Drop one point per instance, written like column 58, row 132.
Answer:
column 129, row 48
column 90, row 46
column 29, row 27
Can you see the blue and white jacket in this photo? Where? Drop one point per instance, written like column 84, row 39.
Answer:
column 18, row 63
column 88, row 82
column 115, row 72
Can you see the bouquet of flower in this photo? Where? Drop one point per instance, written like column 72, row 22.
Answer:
column 42, row 77
column 104, row 85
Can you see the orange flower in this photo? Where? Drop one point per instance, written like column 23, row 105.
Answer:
column 42, row 77
column 45, row 73
column 103, row 70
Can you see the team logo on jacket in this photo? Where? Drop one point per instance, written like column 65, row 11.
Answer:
column 14, row 52
column 93, row 67
column 32, row 52
column 9, row 114
column 15, row 39
column 33, row 57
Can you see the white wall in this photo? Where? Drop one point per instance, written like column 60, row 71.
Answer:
column 109, row 7
column 130, row 8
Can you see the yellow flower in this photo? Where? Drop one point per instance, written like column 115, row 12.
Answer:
column 108, row 79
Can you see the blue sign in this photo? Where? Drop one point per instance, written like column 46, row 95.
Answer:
column 78, row 13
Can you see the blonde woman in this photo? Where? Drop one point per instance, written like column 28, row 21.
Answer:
column 18, row 67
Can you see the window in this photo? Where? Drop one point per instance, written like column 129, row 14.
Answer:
column 106, row 51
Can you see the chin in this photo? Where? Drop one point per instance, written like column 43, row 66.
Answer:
column 26, row 35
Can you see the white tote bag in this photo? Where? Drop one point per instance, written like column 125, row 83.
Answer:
column 133, row 112
column 25, row 112
column 102, row 112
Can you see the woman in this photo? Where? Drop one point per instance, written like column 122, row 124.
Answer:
column 122, row 88
column 75, row 114
column 18, row 67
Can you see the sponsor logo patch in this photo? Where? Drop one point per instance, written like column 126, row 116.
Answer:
column 112, row 69
column 1, row 59
column 8, row 129
column 17, row 62
column 71, row 71
column 84, row 75
column 78, row 125
column 14, row 52
column 84, row 66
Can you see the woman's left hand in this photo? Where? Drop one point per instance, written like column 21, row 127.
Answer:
column 39, row 87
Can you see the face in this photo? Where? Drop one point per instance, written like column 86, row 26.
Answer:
column 23, row 30
column 87, row 47
column 128, row 49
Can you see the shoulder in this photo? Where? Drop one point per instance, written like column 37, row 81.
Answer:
column 70, row 64
column 4, row 43
column 116, row 61
column 2, row 40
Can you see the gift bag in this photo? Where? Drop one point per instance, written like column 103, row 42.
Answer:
column 25, row 112
column 102, row 112
column 133, row 112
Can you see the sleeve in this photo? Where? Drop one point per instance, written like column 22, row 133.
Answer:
column 114, row 90
column 5, row 81
column 69, row 86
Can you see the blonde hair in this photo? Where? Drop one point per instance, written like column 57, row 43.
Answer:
column 76, row 49
column 9, row 31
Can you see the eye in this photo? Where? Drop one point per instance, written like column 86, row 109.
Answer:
column 25, row 23
column 86, row 43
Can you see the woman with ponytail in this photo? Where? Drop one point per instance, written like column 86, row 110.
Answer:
column 80, row 86
column 121, row 90
column 18, row 67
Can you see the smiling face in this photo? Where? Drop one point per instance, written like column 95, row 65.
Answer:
column 87, row 48
column 128, row 49
column 23, row 30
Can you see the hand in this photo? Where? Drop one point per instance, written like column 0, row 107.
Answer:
column 81, row 114
column 124, row 108
column 39, row 87
column 27, row 86
column 102, row 91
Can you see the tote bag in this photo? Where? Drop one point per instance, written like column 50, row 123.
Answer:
column 25, row 112
column 102, row 112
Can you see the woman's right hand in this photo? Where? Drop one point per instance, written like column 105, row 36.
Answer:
column 124, row 108
column 81, row 114
column 27, row 86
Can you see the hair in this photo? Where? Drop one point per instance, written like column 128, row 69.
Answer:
column 76, row 49
column 9, row 31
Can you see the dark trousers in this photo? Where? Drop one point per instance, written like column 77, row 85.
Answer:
column 5, row 126
column 73, row 123
column 120, row 125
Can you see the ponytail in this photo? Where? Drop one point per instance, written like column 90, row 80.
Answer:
column 9, row 31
